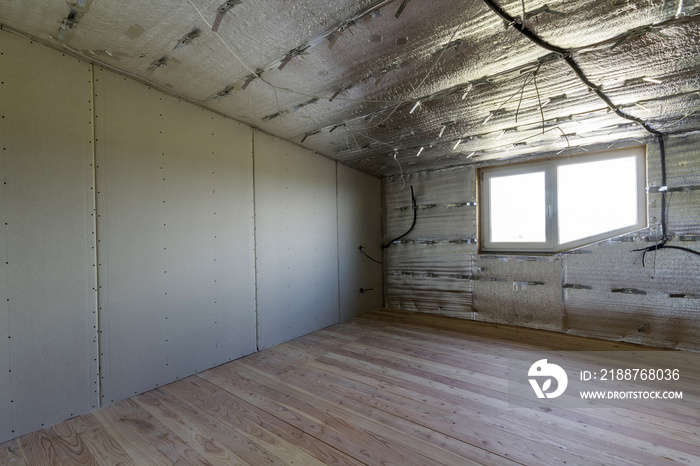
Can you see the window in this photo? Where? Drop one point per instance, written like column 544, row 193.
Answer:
column 562, row 203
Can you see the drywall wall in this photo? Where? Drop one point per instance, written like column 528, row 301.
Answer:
column 48, row 320
column 359, row 224
column 5, row 387
column 175, row 217
column 127, row 241
column 601, row 290
column 296, row 241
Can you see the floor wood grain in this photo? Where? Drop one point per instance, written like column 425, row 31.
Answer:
column 387, row 388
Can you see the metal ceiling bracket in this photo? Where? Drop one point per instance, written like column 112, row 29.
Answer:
column 628, row 291
column 188, row 38
column 68, row 24
column 573, row 286
column 226, row 91
column 684, row 295
column 221, row 12
column 160, row 63
column 250, row 78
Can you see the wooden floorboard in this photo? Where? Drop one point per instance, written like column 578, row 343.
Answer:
column 387, row 388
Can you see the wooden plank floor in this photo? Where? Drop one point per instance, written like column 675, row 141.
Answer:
column 389, row 387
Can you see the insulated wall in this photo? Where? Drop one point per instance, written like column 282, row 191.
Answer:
column 601, row 290
column 48, row 320
column 609, row 294
column 430, row 268
column 296, row 241
column 175, row 205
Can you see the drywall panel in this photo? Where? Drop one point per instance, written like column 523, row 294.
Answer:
column 193, row 219
column 176, row 223
column 131, row 242
column 48, row 319
column 359, row 224
column 5, row 398
column 296, row 241
column 234, row 238
column 189, row 243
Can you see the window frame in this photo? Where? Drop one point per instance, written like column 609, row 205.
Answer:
column 549, row 166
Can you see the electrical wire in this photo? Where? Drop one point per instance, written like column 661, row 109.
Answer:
column 519, row 91
column 415, row 211
column 403, row 180
column 664, row 237
column 276, row 88
column 519, row 25
column 566, row 55
column 539, row 101
column 663, row 245
column 362, row 250
column 378, row 5
column 425, row 78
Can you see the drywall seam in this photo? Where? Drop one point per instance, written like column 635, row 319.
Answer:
column 255, row 246
column 5, row 424
column 337, row 237
column 96, row 256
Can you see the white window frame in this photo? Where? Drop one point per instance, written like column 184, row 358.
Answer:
column 549, row 166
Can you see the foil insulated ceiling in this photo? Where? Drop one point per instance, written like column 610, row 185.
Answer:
column 398, row 86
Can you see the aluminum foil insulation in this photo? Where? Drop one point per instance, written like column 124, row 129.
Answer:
column 342, row 78
column 601, row 290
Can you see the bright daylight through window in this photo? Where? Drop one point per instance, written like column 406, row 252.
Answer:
column 562, row 203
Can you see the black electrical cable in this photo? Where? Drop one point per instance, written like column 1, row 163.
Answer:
column 662, row 152
column 362, row 250
column 400, row 10
column 663, row 245
column 566, row 55
column 415, row 210
column 664, row 238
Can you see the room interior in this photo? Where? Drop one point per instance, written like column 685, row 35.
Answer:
column 201, row 192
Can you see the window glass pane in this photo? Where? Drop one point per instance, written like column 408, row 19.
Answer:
column 518, row 212
column 596, row 197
